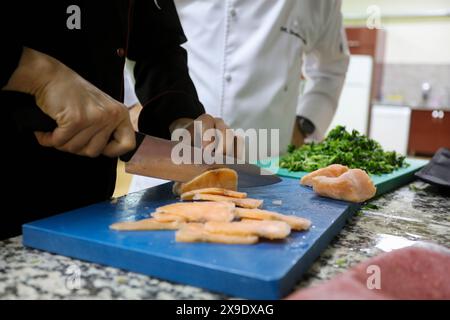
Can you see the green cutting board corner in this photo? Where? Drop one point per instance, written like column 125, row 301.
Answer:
column 384, row 182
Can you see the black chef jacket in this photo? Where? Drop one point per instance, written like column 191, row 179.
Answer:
column 44, row 181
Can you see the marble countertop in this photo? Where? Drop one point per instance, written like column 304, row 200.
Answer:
column 416, row 212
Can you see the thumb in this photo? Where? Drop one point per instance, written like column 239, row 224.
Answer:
column 123, row 141
column 45, row 139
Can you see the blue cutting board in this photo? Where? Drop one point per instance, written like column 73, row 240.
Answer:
column 267, row 270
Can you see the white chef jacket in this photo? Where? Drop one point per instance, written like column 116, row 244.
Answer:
column 129, row 98
column 246, row 57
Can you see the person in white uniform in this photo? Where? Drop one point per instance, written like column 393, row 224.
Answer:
column 246, row 58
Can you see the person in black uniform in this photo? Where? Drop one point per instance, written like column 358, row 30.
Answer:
column 73, row 71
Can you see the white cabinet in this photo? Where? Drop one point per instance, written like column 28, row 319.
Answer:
column 389, row 126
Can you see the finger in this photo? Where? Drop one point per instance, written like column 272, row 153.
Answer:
column 239, row 147
column 135, row 111
column 82, row 139
column 44, row 138
column 197, row 129
column 59, row 137
column 207, row 123
column 123, row 141
column 227, row 143
column 97, row 144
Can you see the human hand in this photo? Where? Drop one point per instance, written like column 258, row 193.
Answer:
column 298, row 138
column 90, row 122
column 135, row 111
column 229, row 142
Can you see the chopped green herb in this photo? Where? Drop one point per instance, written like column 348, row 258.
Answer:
column 359, row 213
column 341, row 262
column 341, row 147
column 371, row 206
column 415, row 188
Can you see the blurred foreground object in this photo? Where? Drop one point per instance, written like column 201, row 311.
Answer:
column 409, row 273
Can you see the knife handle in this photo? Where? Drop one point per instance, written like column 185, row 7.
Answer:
column 29, row 117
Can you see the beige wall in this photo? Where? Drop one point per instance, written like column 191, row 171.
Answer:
column 394, row 6
column 411, row 40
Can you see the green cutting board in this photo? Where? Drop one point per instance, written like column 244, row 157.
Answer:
column 384, row 182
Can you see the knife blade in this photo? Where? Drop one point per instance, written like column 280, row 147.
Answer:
column 152, row 156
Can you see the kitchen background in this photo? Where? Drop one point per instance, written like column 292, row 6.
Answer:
column 398, row 85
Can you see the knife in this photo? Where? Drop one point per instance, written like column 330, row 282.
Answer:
column 152, row 156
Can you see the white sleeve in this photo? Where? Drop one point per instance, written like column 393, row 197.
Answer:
column 325, row 68
column 130, row 98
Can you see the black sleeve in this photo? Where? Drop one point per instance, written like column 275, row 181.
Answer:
column 26, row 24
column 163, row 84
column 10, row 40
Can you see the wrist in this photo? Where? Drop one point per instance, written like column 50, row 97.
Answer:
column 33, row 73
column 305, row 126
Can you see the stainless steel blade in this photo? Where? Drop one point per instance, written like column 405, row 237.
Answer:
column 153, row 158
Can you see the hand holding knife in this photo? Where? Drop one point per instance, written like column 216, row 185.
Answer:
column 152, row 156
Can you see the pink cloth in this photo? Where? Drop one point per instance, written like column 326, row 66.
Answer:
column 409, row 273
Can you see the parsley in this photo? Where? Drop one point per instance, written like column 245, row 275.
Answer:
column 416, row 188
column 359, row 213
column 341, row 147
column 370, row 206
column 341, row 262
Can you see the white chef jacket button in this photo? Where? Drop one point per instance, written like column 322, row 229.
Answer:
column 286, row 88
column 228, row 78
column 233, row 12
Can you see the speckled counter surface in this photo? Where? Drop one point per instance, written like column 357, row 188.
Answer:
column 418, row 212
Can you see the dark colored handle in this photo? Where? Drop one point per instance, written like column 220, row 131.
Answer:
column 36, row 120
column 29, row 117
